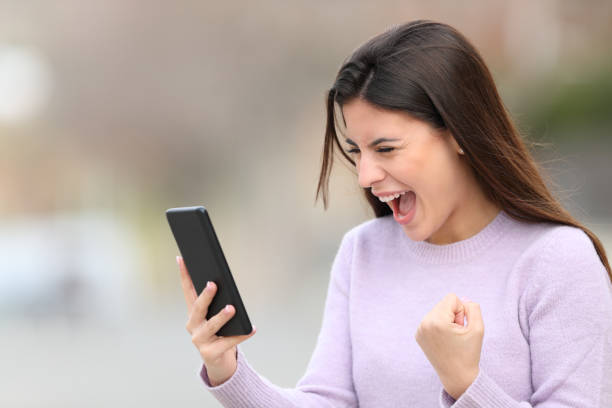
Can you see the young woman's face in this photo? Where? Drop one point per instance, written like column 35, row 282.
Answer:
column 419, row 158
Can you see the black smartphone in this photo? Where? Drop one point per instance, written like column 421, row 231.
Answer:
column 205, row 261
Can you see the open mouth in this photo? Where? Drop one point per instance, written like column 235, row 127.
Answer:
column 403, row 204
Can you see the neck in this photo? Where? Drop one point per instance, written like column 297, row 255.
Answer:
column 465, row 222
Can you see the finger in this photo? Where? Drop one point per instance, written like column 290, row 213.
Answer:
column 200, row 307
column 453, row 309
column 222, row 344
column 189, row 291
column 459, row 316
column 474, row 317
column 217, row 321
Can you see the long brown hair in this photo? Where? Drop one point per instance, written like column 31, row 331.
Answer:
column 434, row 73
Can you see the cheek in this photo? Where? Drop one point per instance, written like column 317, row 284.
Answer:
column 438, row 178
column 448, row 183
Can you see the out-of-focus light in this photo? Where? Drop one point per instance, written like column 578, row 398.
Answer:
column 25, row 83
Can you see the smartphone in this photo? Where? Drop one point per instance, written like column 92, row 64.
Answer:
column 205, row 261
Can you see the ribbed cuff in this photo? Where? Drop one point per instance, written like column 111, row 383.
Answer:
column 245, row 388
column 446, row 401
column 482, row 393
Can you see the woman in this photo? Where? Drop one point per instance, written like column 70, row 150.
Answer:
column 461, row 210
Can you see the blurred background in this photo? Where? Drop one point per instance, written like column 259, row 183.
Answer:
column 111, row 112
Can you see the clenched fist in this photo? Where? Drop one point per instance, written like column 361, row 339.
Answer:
column 452, row 348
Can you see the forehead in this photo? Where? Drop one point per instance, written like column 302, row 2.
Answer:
column 363, row 120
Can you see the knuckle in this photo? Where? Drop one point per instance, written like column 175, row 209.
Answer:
column 219, row 320
column 211, row 326
column 427, row 325
column 210, row 352
column 195, row 339
column 215, row 324
column 205, row 353
column 434, row 327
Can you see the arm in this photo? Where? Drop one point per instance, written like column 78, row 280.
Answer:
column 327, row 381
column 568, row 304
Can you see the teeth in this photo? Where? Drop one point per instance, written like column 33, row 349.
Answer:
column 391, row 197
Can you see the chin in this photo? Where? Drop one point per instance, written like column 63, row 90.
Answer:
column 415, row 235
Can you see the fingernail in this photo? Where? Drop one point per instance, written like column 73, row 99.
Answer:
column 227, row 309
column 207, row 285
column 177, row 260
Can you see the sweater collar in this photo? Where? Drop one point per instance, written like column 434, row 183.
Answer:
column 461, row 250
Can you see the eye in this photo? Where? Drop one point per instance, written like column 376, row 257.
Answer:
column 381, row 150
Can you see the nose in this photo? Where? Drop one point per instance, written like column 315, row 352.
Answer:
column 369, row 172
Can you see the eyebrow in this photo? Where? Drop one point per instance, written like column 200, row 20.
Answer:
column 374, row 143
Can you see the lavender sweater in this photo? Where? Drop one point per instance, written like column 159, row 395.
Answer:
column 546, row 303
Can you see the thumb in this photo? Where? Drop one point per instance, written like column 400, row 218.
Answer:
column 459, row 315
column 473, row 316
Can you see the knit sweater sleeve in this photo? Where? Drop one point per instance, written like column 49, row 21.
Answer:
column 327, row 381
column 568, row 305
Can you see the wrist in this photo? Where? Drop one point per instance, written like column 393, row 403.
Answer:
column 457, row 387
column 218, row 377
column 218, row 374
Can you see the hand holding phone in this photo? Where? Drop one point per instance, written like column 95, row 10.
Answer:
column 218, row 321
column 218, row 353
column 205, row 261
